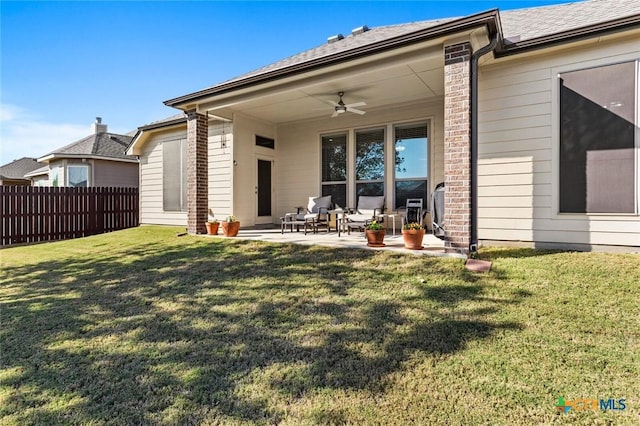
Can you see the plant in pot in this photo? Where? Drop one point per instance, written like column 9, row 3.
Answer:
column 412, row 234
column 230, row 226
column 212, row 223
column 375, row 233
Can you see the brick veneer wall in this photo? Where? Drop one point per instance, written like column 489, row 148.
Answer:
column 197, row 179
column 457, row 151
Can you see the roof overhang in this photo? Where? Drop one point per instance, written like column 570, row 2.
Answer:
column 602, row 28
column 61, row 156
column 487, row 19
column 144, row 133
column 38, row 172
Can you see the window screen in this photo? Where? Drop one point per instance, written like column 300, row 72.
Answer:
column 597, row 125
column 411, row 148
column 174, row 175
column 370, row 162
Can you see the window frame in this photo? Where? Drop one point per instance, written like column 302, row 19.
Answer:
column 354, row 160
column 79, row 166
column 182, row 174
column 555, row 137
column 345, row 182
column 426, row 179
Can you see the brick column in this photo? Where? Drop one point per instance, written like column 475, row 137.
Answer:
column 457, row 147
column 197, row 179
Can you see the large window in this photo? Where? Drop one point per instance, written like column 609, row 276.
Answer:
column 78, row 176
column 334, row 168
column 370, row 162
column 174, row 175
column 597, row 139
column 411, row 145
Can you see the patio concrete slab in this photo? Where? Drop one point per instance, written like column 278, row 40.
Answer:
column 432, row 245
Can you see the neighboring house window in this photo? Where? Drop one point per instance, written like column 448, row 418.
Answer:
column 174, row 175
column 597, row 139
column 56, row 176
column 78, row 176
column 334, row 168
column 370, row 162
column 411, row 146
column 265, row 142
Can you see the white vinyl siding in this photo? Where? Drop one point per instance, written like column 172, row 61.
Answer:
column 220, row 167
column 517, row 182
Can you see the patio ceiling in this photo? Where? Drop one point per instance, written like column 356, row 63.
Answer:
column 402, row 80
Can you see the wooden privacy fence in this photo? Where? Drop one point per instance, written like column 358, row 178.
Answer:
column 31, row 214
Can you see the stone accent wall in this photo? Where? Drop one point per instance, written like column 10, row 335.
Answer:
column 197, row 179
column 457, row 147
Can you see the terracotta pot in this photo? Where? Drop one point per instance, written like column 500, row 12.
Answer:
column 375, row 238
column 230, row 229
column 212, row 228
column 413, row 238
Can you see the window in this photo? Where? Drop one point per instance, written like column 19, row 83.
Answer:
column 265, row 142
column 597, row 139
column 78, row 176
column 56, row 176
column 334, row 168
column 411, row 145
column 370, row 162
column 174, row 175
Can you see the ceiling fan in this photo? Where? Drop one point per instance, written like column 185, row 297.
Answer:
column 340, row 107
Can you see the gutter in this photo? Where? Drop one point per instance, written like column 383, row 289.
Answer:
column 475, row 57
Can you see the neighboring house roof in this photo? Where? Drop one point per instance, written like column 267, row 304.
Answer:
column 37, row 172
column 17, row 169
column 105, row 145
column 168, row 121
column 517, row 30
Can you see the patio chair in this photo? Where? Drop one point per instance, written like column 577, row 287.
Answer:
column 369, row 208
column 437, row 211
column 413, row 211
column 314, row 216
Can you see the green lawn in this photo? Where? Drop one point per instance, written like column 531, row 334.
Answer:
column 144, row 327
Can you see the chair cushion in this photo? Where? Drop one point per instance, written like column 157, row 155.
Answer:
column 367, row 204
column 355, row 217
column 316, row 203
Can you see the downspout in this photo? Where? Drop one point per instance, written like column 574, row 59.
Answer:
column 475, row 57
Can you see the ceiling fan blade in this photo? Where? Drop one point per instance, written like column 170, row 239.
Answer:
column 356, row 104
column 356, row 111
column 335, row 114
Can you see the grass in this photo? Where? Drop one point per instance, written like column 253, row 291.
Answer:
column 144, row 327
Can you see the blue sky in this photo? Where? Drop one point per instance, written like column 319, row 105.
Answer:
column 64, row 63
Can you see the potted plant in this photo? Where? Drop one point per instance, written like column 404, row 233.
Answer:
column 412, row 234
column 212, row 223
column 230, row 226
column 212, row 226
column 375, row 233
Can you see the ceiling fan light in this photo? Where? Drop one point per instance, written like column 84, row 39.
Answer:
column 340, row 109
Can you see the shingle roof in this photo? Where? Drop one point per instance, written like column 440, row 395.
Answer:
column 18, row 168
column 348, row 43
column 535, row 22
column 517, row 26
column 100, row 144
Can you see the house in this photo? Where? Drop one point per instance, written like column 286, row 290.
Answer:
column 529, row 117
column 98, row 160
column 14, row 172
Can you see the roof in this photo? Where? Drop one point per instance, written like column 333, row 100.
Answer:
column 18, row 168
column 37, row 172
column 167, row 121
column 104, row 144
column 538, row 22
column 518, row 30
